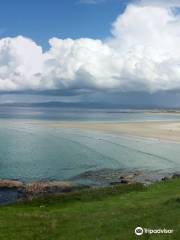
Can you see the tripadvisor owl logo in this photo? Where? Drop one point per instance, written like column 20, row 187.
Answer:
column 139, row 231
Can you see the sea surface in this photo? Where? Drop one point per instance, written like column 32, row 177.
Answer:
column 31, row 152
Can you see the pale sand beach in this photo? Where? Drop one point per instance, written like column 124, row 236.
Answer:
column 162, row 130
column 157, row 129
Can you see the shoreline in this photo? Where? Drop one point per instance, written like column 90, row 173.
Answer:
column 12, row 191
column 106, row 213
column 168, row 130
column 154, row 130
column 160, row 130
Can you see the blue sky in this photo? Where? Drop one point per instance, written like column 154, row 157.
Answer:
column 40, row 20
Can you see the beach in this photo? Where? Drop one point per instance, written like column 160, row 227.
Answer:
column 62, row 150
column 161, row 130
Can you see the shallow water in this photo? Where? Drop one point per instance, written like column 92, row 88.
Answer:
column 39, row 152
column 66, row 114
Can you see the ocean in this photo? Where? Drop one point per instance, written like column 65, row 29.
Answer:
column 32, row 152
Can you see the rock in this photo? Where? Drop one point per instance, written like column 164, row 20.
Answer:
column 165, row 179
column 124, row 181
column 115, row 183
column 11, row 184
column 121, row 177
column 12, row 190
column 131, row 176
column 49, row 187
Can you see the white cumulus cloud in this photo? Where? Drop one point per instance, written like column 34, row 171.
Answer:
column 21, row 62
column 142, row 53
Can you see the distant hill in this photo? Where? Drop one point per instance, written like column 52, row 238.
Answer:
column 87, row 105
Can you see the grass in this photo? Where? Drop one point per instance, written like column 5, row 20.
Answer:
column 100, row 214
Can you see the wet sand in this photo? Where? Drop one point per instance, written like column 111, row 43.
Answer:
column 161, row 130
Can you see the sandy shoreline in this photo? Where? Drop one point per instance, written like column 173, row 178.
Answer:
column 161, row 130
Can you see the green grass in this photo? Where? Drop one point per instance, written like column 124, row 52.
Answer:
column 103, row 214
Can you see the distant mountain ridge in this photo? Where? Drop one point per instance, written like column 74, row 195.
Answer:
column 88, row 105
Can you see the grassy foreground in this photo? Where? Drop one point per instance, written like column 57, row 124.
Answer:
column 109, row 213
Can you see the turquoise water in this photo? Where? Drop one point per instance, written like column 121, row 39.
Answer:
column 37, row 152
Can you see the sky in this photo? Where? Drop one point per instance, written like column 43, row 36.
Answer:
column 119, row 52
column 41, row 20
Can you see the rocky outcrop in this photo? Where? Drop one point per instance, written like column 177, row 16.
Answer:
column 18, row 190
column 39, row 187
column 11, row 184
column 48, row 187
column 13, row 190
column 118, row 176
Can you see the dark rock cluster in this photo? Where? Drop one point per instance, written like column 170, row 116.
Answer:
column 13, row 190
